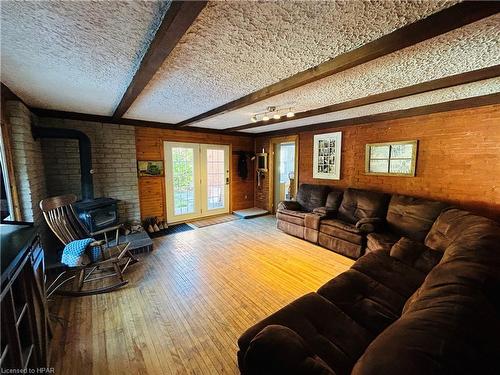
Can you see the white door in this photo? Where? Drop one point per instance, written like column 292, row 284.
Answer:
column 196, row 180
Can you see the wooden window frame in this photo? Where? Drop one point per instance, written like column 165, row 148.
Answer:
column 390, row 144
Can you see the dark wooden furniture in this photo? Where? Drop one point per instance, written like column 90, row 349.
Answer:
column 63, row 221
column 24, row 316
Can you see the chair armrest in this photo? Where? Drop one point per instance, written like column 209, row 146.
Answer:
column 369, row 224
column 106, row 230
column 325, row 212
column 290, row 205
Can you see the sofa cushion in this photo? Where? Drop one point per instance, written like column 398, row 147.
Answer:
column 381, row 241
column 357, row 204
column 394, row 274
column 371, row 304
column 336, row 338
column 353, row 235
column 311, row 196
column 340, row 246
column 412, row 217
column 416, row 254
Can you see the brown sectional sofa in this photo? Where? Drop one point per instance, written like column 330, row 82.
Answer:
column 356, row 221
column 430, row 307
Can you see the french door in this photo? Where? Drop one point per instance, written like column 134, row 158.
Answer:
column 196, row 180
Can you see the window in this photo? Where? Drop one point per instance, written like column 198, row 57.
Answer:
column 391, row 158
column 287, row 161
column 5, row 199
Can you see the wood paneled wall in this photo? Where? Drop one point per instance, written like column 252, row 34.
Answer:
column 458, row 158
column 149, row 145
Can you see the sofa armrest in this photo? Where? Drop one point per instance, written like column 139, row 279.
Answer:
column 325, row 212
column 279, row 350
column 369, row 224
column 290, row 205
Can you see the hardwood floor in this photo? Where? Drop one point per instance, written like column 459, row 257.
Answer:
column 189, row 300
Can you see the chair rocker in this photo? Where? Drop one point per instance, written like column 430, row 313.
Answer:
column 115, row 257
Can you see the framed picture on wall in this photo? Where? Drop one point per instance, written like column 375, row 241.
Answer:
column 326, row 155
column 150, row 168
column 391, row 158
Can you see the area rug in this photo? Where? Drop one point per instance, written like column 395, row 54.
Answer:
column 213, row 220
column 177, row 228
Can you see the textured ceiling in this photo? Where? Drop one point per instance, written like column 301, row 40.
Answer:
column 75, row 55
column 469, row 90
column 471, row 47
column 235, row 48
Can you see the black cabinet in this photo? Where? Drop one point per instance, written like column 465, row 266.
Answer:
column 24, row 316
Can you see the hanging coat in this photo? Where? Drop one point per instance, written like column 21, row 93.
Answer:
column 242, row 165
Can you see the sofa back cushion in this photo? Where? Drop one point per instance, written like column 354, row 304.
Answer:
column 412, row 217
column 449, row 225
column 357, row 204
column 312, row 196
column 334, row 199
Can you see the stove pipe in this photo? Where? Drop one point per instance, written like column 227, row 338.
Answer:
column 85, row 154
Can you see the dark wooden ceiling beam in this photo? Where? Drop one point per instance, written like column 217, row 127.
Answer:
column 179, row 17
column 477, row 101
column 434, row 25
column 48, row 113
column 419, row 88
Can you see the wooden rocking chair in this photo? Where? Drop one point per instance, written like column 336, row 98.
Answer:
column 64, row 223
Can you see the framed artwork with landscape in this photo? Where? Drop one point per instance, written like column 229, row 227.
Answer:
column 150, row 168
column 326, row 155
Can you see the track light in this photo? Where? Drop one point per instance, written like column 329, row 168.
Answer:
column 272, row 112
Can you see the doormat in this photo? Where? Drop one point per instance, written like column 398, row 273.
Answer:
column 213, row 220
column 172, row 229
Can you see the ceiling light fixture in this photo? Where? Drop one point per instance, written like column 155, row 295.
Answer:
column 272, row 112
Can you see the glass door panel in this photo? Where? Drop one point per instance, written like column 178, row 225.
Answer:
column 215, row 179
column 182, row 181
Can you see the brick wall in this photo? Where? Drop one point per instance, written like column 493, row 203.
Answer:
column 27, row 161
column 262, row 193
column 458, row 158
column 113, row 161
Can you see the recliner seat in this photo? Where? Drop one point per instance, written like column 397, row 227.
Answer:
column 361, row 212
